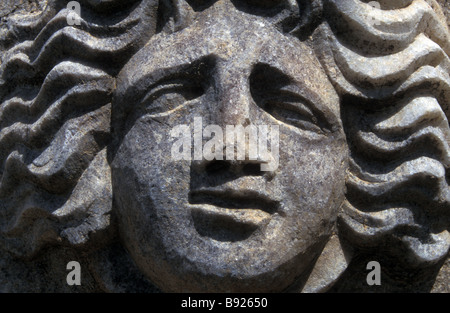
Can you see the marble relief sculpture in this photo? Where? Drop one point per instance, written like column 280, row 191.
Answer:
column 359, row 95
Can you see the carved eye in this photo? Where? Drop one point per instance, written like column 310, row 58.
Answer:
column 276, row 94
column 178, row 87
column 291, row 109
column 170, row 94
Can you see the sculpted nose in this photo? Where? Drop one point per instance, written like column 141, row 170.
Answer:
column 234, row 101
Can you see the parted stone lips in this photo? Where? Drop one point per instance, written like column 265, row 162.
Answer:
column 238, row 213
column 237, row 201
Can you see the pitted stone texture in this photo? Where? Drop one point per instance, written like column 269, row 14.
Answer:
column 364, row 149
column 445, row 5
column 203, row 229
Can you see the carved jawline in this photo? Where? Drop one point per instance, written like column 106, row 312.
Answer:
column 329, row 267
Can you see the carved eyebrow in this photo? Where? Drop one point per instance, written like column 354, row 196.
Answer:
column 190, row 70
column 267, row 80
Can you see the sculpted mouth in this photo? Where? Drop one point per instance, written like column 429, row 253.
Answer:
column 230, row 215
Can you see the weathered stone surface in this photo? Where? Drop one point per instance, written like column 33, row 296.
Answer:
column 359, row 96
column 441, row 284
column 9, row 8
column 445, row 5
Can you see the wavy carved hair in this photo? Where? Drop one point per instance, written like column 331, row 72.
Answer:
column 392, row 76
column 55, row 91
column 390, row 66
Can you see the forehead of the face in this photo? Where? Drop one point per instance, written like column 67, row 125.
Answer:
column 238, row 42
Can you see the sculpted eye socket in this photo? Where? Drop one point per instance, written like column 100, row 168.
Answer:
column 291, row 109
column 170, row 94
column 179, row 86
column 276, row 94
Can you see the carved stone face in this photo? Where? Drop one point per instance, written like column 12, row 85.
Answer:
column 222, row 225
